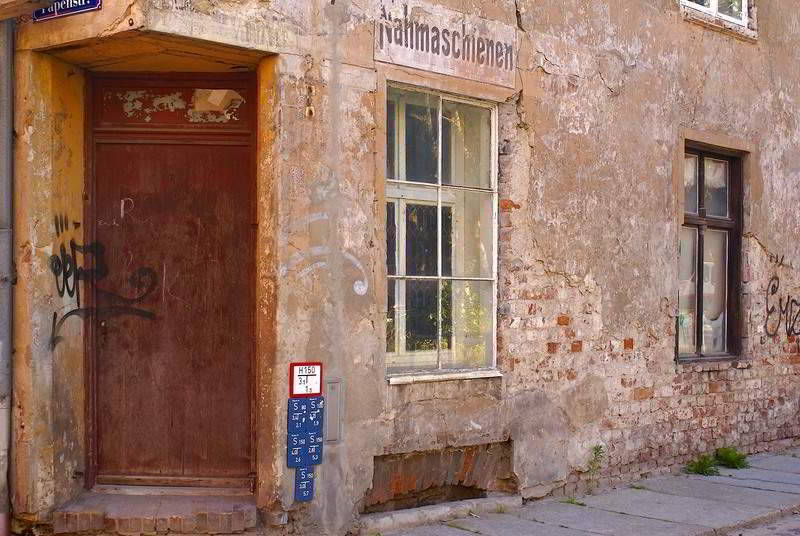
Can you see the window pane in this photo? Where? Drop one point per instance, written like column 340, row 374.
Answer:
column 416, row 135
column 715, row 291
column 687, row 285
column 447, row 241
column 467, row 324
column 704, row 3
column 421, row 230
column 391, row 239
column 731, row 8
column 690, row 183
column 421, row 312
column 471, row 233
column 411, row 330
column 391, row 139
column 716, row 184
column 466, row 145
column 391, row 318
column 422, row 141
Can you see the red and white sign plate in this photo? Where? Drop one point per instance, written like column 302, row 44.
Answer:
column 305, row 379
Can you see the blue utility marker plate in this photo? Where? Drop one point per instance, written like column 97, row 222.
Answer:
column 305, row 415
column 303, row 450
column 304, row 484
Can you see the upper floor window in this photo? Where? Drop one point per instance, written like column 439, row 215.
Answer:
column 730, row 10
column 709, row 256
column 441, row 232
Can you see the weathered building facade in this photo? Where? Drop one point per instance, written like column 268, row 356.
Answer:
column 570, row 227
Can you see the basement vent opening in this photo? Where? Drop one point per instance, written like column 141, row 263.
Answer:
column 417, row 479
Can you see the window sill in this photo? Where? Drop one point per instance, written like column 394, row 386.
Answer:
column 725, row 358
column 442, row 376
column 719, row 24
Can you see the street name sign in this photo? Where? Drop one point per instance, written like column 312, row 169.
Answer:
column 63, row 8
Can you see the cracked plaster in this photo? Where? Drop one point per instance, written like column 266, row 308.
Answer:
column 588, row 141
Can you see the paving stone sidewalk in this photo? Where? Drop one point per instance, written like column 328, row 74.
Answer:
column 686, row 505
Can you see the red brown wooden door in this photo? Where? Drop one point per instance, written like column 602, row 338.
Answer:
column 173, row 332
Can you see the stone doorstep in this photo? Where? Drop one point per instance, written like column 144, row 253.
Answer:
column 383, row 522
column 141, row 514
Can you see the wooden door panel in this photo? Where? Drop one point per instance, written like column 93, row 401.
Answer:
column 173, row 382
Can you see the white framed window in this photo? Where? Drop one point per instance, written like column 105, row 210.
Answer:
column 735, row 11
column 441, row 235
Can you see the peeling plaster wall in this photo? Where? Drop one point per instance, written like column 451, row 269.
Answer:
column 588, row 245
column 48, row 409
column 327, row 305
column 589, row 216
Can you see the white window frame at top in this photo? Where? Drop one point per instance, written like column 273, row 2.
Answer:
column 713, row 9
column 402, row 192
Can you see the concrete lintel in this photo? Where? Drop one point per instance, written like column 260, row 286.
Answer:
column 144, row 51
column 15, row 8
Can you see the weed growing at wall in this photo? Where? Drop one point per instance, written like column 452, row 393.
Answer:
column 598, row 454
column 704, row 465
column 731, row 458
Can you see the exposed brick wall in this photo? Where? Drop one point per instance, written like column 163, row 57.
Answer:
column 708, row 406
column 585, row 299
column 661, row 413
column 400, row 478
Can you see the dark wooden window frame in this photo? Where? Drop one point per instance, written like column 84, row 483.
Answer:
column 733, row 225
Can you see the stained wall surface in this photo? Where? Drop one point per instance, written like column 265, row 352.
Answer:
column 590, row 147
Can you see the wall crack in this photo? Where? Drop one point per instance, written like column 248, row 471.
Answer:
column 520, row 26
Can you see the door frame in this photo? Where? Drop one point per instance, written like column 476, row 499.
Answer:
column 157, row 79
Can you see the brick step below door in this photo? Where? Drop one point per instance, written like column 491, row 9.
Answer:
column 131, row 515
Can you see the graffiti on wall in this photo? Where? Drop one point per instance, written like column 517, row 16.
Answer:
column 781, row 314
column 68, row 273
column 317, row 258
column 777, row 260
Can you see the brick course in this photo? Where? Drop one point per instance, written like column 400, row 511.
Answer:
column 661, row 414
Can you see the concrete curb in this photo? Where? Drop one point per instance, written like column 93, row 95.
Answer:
column 701, row 506
column 756, row 521
column 372, row 524
column 728, row 530
column 382, row 523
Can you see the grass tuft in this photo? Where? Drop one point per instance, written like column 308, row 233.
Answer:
column 704, row 465
column 732, row 458
column 573, row 500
